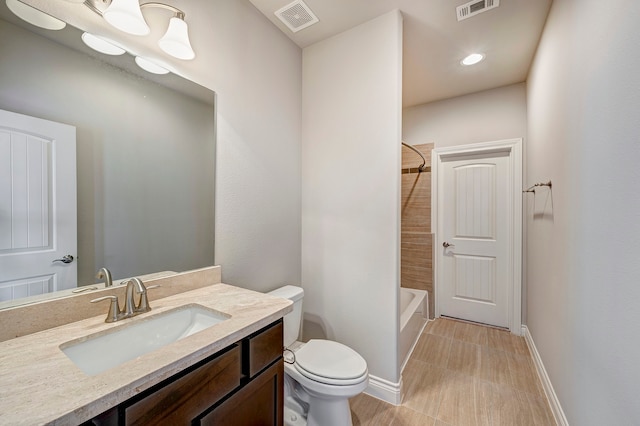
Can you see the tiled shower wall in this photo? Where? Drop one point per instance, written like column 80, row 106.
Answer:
column 416, row 250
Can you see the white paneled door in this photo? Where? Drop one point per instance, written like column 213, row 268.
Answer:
column 475, row 259
column 38, row 234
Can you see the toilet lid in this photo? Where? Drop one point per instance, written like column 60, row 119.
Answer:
column 329, row 361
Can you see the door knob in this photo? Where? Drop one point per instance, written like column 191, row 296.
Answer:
column 447, row 245
column 67, row 258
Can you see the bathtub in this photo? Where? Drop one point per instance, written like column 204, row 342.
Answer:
column 413, row 317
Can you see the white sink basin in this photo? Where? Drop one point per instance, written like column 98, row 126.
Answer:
column 135, row 337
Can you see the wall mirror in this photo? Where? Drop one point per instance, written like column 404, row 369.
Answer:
column 145, row 151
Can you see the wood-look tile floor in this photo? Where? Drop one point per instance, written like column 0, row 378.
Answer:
column 462, row 374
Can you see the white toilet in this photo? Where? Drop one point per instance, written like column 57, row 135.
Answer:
column 320, row 375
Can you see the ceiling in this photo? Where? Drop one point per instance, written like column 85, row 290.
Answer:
column 435, row 42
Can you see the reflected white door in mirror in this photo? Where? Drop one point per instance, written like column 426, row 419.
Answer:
column 38, row 234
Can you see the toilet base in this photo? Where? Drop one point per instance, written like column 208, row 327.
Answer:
column 308, row 407
column 324, row 412
column 293, row 418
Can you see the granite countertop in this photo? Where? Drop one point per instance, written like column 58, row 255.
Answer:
column 40, row 385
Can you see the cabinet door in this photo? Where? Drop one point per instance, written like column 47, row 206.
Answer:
column 184, row 399
column 259, row 403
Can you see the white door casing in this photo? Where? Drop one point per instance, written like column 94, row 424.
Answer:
column 38, row 215
column 477, row 206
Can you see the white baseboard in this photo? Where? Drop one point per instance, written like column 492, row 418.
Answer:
column 384, row 390
column 554, row 403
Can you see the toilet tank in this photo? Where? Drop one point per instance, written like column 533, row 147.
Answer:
column 292, row 320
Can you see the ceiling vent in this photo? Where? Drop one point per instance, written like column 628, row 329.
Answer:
column 297, row 16
column 474, row 7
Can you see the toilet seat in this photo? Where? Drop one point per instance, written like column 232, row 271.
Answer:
column 330, row 362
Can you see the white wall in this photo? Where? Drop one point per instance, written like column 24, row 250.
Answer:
column 584, row 247
column 351, row 188
column 256, row 72
column 485, row 116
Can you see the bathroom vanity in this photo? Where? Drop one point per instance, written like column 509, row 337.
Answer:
column 240, row 385
column 228, row 373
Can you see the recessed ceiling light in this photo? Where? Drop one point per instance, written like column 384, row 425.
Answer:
column 150, row 66
column 102, row 45
column 472, row 59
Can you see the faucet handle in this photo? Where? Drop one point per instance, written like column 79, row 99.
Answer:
column 143, row 305
column 114, row 307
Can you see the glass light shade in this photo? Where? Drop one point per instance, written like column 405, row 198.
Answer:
column 472, row 59
column 150, row 66
column 175, row 41
column 102, row 45
column 126, row 16
column 35, row 16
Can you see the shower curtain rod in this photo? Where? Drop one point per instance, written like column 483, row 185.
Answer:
column 423, row 167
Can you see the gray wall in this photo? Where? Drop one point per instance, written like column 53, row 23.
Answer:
column 485, row 116
column 351, row 189
column 257, row 75
column 584, row 248
column 145, row 156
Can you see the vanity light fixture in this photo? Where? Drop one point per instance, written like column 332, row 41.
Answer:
column 101, row 44
column 150, row 66
column 472, row 59
column 126, row 15
column 34, row 16
column 176, row 42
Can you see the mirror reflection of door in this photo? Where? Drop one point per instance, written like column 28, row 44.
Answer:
column 38, row 235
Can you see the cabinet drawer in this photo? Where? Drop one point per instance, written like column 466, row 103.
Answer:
column 264, row 348
column 184, row 399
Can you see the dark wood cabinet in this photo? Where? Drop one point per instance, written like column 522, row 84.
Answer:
column 258, row 404
column 187, row 397
column 240, row 385
column 264, row 347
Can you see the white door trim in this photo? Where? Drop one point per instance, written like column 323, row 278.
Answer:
column 514, row 148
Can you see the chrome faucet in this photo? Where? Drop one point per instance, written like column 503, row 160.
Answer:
column 104, row 273
column 130, row 309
